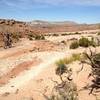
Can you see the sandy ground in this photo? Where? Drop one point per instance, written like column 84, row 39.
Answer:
column 42, row 83
column 28, row 74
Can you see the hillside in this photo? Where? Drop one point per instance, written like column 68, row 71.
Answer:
column 44, row 26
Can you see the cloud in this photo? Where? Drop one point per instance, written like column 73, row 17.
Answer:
column 27, row 4
column 66, row 2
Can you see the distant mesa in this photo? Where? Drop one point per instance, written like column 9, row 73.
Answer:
column 42, row 26
column 41, row 22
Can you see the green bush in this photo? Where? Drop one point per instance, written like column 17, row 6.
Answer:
column 74, row 45
column 98, row 33
column 84, row 42
column 61, row 67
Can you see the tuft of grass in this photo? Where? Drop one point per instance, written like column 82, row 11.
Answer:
column 61, row 67
column 74, row 57
column 60, row 62
column 68, row 60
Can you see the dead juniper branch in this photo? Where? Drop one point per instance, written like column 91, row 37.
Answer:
column 93, row 59
column 64, row 89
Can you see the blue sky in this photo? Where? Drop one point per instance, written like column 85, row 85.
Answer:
column 81, row 11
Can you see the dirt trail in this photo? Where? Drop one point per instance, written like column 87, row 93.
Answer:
column 17, row 70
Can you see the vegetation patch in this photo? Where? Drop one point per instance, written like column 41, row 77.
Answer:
column 74, row 45
column 65, row 89
column 98, row 33
column 16, row 36
column 93, row 60
column 32, row 36
column 83, row 42
column 72, row 58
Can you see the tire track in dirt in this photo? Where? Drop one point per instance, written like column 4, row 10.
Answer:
column 15, row 54
column 18, row 69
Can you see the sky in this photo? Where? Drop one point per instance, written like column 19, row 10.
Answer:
column 81, row 11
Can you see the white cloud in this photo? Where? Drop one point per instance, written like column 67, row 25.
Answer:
column 66, row 2
column 26, row 4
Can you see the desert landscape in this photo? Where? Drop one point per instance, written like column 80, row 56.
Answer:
column 28, row 70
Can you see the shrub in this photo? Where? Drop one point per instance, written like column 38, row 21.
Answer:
column 92, row 42
column 30, row 36
column 55, row 34
column 96, row 59
column 77, row 33
column 74, row 45
column 64, row 42
column 84, row 42
column 61, row 67
column 98, row 33
column 35, row 36
column 66, row 89
column 39, row 37
column 93, row 59
column 16, row 36
column 63, row 34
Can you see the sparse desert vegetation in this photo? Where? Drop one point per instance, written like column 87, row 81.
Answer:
column 37, row 36
column 83, row 42
column 49, row 66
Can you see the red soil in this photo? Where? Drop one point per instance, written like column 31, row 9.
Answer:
column 17, row 70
